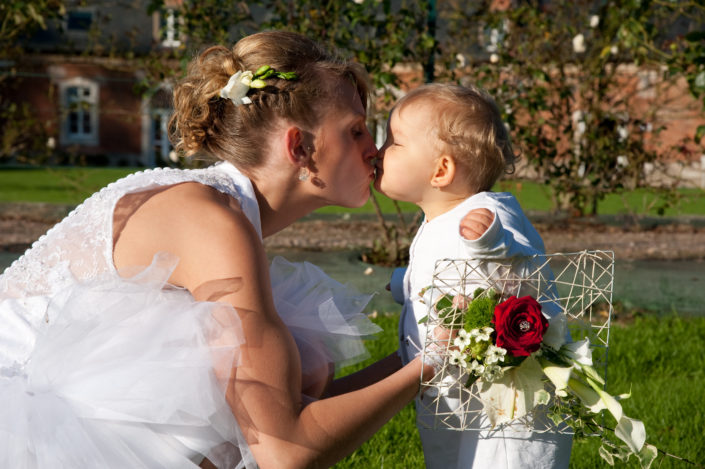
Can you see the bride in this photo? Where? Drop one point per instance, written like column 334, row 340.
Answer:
column 147, row 328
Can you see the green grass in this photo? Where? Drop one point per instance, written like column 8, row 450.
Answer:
column 537, row 197
column 72, row 185
column 660, row 360
column 56, row 185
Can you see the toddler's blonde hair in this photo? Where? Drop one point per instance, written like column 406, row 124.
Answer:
column 468, row 126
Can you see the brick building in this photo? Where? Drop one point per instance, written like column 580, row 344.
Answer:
column 91, row 104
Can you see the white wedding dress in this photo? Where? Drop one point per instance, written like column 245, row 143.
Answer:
column 101, row 370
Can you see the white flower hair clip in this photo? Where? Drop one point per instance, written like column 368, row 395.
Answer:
column 241, row 82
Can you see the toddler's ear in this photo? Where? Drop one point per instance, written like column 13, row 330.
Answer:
column 444, row 171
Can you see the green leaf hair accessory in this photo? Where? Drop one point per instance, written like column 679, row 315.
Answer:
column 241, row 82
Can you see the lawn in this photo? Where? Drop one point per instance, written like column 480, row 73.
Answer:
column 72, row 185
column 660, row 360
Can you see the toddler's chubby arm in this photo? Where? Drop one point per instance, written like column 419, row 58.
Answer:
column 475, row 223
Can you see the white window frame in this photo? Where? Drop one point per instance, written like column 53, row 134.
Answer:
column 165, row 144
column 90, row 108
column 170, row 35
column 150, row 158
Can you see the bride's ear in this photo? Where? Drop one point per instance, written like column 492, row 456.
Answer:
column 443, row 171
column 298, row 146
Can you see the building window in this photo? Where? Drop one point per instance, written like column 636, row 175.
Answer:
column 78, row 21
column 161, row 146
column 79, row 112
column 168, row 27
column 157, row 109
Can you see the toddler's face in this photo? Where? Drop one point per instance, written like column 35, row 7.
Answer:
column 406, row 160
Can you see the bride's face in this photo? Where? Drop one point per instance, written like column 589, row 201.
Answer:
column 344, row 149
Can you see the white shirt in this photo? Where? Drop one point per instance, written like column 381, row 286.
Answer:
column 511, row 234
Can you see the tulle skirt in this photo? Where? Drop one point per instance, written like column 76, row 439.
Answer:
column 122, row 370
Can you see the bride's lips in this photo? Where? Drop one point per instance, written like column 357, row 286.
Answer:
column 376, row 167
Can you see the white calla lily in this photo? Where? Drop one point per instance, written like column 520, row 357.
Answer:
column 632, row 432
column 514, row 394
column 555, row 335
column 587, row 395
column 558, row 375
column 579, row 352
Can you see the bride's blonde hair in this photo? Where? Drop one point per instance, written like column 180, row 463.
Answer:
column 205, row 123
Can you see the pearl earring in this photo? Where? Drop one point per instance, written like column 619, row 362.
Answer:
column 303, row 174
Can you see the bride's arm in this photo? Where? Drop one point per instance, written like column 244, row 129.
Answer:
column 368, row 375
column 216, row 243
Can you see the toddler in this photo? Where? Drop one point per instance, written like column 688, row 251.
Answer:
column 446, row 147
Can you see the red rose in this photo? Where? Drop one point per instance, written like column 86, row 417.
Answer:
column 520, row 325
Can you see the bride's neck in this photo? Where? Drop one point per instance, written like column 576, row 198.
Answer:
column 281, row 203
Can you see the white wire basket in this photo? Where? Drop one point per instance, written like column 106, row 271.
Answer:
column 577, row 284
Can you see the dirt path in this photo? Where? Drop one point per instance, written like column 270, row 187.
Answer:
column 21, row 224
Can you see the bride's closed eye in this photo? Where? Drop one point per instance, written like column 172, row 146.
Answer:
column 358, row 130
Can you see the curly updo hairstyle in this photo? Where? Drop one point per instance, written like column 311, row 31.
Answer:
column 468, row 126
column 212, row 126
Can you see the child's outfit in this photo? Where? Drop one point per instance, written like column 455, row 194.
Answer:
column 510, row 234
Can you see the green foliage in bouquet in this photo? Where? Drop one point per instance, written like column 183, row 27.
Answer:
column 456, row 311
column 480, row 311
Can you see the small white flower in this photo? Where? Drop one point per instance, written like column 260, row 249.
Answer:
column 579, row 44
column 476, row 367
column 594, row 21
column 237, row 87
column 457, row 358
column 51, row 143
column 494, row 58
column 614, row 50
column 484, row 334
column 494, row 354
column 462, row 341
column 492, row 373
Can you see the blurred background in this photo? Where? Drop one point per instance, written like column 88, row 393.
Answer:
column 604, row 99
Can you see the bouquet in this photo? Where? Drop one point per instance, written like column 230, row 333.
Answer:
column 514, row 355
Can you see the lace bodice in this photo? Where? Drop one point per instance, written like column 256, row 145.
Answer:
column 80, row 247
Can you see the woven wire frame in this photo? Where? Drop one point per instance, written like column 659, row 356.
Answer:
column 577, row 284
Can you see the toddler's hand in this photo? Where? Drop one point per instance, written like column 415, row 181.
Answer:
column 475, row 223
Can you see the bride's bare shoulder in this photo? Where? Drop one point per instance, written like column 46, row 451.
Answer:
column 182, row 219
